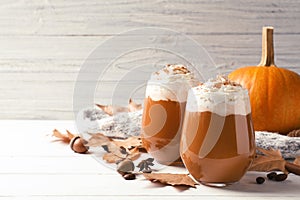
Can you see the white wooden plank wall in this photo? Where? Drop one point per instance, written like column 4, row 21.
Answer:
column 43, row 43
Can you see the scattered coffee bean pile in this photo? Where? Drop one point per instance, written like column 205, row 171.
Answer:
column 273, row 176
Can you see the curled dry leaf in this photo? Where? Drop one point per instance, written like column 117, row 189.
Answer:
column 131, row 142
column 98, row 139
column 116, row 149
column 111, row 110
column 66, row 138
column 114, row 109
column 171, row 179
column 114, row 152
column 271, row 160
column 117, row 155
column 132, row 106
column 271, row 152
column 112, row 158
column 294, row 167
column 134, row 153
column 297, row 161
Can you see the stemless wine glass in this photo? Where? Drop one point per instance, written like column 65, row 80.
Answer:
column 163, row 112
column 217, row 144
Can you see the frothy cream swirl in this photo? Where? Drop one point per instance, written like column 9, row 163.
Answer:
column 220, row 96
column 171, row 83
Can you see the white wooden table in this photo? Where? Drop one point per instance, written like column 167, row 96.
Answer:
column 33, row 167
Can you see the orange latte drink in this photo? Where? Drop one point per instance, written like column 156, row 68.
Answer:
column 217, row 144
column 163, row 112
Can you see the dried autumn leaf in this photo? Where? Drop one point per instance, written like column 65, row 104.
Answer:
column 114, row 109
column 271, row 153
column 116, row 149
column 70, row 135
column 98, row 139
column 292, row 168
column 131, row 142
column 271, row 160
column 111, row 110
column 116, row 156
column 134, row 154
column 114, row 153
column 266, row 164
column 112, row 158
column 171, row 179
column 297, row 161
column 132, row 106
column 66, row 138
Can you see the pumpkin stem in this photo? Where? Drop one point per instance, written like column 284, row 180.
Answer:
column 267, row 56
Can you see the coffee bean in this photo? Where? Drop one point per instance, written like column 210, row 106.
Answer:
column 260, row 180
column 129, row 176
column 272, row 175
column 281, row 177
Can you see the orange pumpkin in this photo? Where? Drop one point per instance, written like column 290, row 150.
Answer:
column 274, row 92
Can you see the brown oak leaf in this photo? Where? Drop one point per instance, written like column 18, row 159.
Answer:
column 98, row 139
column 134, row 153
column 171, row 179
column 66, row 138
column 297, row 161
column 114, row 152
column 116, row 156
column 112, row 158
column 116, row 149
column 270, row 160
column 294, row 167
column 130, row 142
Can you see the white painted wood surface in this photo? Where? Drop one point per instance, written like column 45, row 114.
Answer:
column 33, row 167
column 44, row 42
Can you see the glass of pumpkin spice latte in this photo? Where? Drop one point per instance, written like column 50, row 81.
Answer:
column 163, row 112
column 217, row 143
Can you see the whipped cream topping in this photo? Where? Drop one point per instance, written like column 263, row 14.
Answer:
column 170, row 83
column 219, row 96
